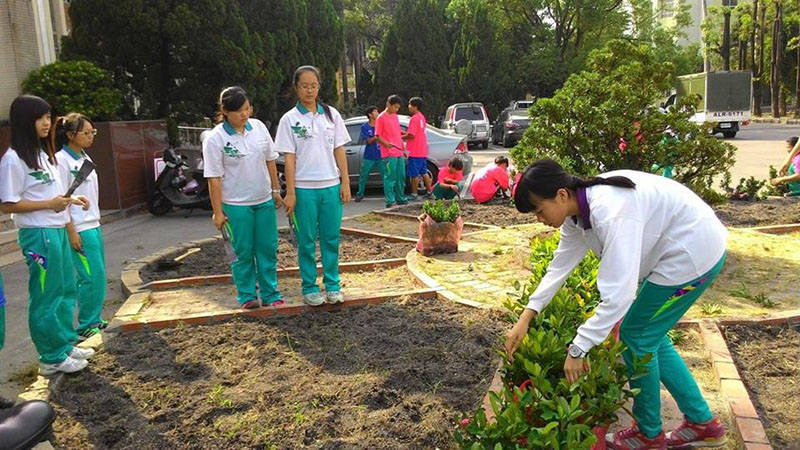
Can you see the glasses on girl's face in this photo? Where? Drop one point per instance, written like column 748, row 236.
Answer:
column 90, row 133
column 308, row 87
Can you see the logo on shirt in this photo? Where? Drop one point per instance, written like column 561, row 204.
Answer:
column 43, row 177
column 232, row 151
column 301, row 131
column 74, row 172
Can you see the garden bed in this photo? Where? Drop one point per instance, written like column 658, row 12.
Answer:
column 393, row 375
column 211, row 259
column 759, row 213
column 768, row 362
column 497, row 214
column 397, row 225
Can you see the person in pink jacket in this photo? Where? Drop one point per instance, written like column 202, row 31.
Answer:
column 489, row 180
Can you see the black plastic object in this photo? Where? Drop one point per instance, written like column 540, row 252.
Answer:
column 25, row 425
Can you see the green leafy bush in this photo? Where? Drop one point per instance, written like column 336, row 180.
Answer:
column 439, row 213
column 548, row 412
column 615, row 99
column 778, row 190
column 75, row 86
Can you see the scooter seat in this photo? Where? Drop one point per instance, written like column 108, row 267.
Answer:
column 25, row 425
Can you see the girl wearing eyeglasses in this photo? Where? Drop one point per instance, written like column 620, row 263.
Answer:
column 312, row 136
column 74, row 133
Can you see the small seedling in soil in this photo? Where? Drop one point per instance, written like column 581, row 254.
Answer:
column 742, row 292
column 711, row 309
column 762, row 299
column 677, row 337
column 217, row 397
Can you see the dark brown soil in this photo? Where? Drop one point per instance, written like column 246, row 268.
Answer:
column 497, row 214
column 389, row 376
column 211, row 259
column 768, row 360
column 759, row 213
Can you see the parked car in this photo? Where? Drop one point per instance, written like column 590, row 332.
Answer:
column 442, row 146
column 476, row 114
column 510, row 126
column 520, row 104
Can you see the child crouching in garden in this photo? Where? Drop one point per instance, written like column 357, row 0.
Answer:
column 449, row 180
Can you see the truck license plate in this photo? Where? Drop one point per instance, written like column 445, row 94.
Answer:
column 725, row 125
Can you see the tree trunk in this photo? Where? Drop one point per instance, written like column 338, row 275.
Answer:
column 754, row 63
column 742, row 55
column 726, row 40
column 777, row 49
column 703, row 13
column 345, row 92
column 762, row 30
column 797, row 81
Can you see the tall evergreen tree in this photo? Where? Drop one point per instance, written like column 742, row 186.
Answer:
column 415, row 55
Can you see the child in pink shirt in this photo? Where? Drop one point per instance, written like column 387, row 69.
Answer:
column 449, row 180
column 489, row 180
column 390, row 136
column 417, row 146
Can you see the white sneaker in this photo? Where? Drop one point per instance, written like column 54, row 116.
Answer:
column 81, row 353
column 68, row 365
column 314, row 298
column 335, row 296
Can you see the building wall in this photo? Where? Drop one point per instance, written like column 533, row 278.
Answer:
column 693, row 32
column 30, row 32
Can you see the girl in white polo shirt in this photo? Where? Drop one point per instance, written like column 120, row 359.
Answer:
column 32, row 191
column 74, row 133
column 239, row 163
column 660, row 246
column 312, row 136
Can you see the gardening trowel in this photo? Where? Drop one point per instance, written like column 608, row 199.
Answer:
column 293, row 230
column 86, row 168
column 232, row 258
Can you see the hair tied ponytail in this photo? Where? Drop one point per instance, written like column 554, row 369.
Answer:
column 617, row 181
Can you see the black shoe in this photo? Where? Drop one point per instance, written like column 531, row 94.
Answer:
column 389, row 205
column 26, row 424
column 359, row 198
column 6, row 402
column 402, row 202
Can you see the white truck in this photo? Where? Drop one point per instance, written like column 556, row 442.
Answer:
column 725, row 98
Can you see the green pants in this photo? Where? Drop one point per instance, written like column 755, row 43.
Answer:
column 2, row 314
column 445, row 193
column 318, row 213
column 394, row 179
column 254, row 237
column 367, row 165
column 90, row 265
column 644, row 330
column 51, row 291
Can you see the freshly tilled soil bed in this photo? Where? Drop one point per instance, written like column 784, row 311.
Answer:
column 759, row 213
column 768, row 361
column 497, row 214
column 389, row 376
column 211, row 259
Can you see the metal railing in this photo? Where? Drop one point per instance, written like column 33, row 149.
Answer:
column 189, row 137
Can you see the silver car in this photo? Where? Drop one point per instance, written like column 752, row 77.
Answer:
column 441, row 149
column 476, row 114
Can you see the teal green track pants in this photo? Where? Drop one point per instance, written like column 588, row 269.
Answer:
column 644, row 330
column 445, row 193
column 394, row 179
column 367, row 165
column 51, row 291
column 90, row 266
column 254, row 237
column 318, row 213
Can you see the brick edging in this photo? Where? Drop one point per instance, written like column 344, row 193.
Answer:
column 205, row 280
column 745, row 417
column 776, row 229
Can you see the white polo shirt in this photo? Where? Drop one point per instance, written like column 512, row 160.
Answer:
column 661, row 231
column 241, row 161
column 69, row 163
column 19, row 182
column 312, row 138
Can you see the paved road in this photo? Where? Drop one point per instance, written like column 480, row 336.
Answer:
column 758, row 146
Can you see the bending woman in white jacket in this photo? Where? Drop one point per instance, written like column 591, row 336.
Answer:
column 660, row 246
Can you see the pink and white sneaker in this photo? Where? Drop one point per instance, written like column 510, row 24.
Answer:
column 692, row 435
column 633, row 439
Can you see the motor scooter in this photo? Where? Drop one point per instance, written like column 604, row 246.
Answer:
column 173, row 189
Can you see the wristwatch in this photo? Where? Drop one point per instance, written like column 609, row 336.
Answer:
column 575, row 351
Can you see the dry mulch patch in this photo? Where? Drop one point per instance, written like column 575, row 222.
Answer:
column 497, row 214
column 768, row 361
column 388, row 376
column 759, row 213
column 211, row 259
